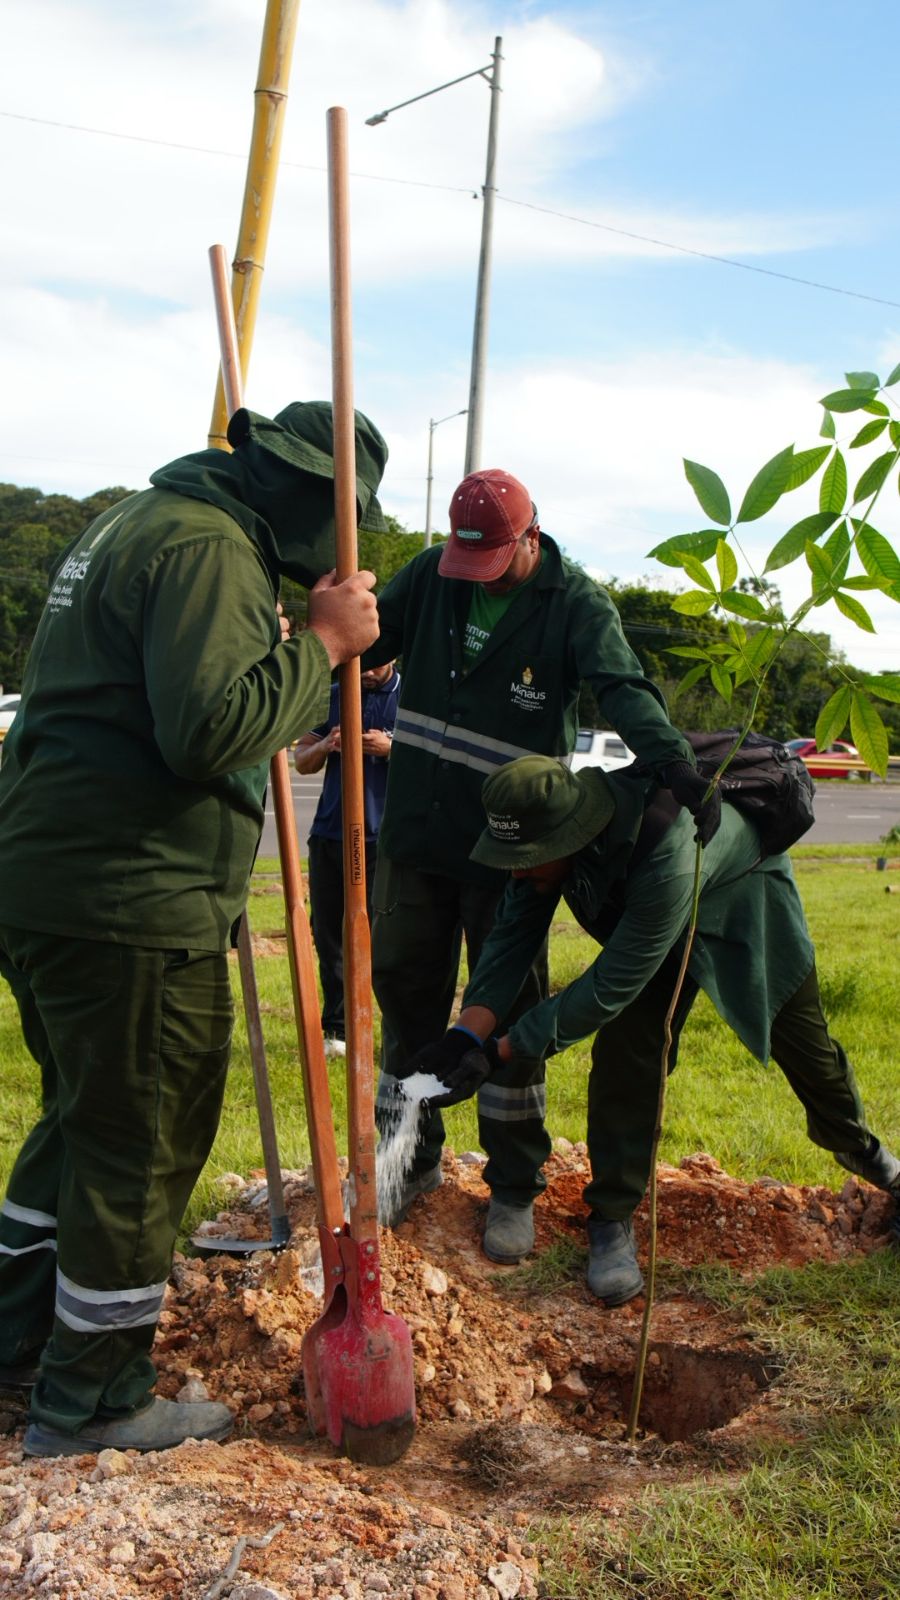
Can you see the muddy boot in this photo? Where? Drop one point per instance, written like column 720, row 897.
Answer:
column 24, row 1376
column 508, row 1232
column 417, row 1183
column 876, row 1165
column 158, row 1426
column 613, row 1274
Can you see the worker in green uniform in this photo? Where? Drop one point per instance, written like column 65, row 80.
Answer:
column 497, row 631
column 131, row 804
column 579, row 836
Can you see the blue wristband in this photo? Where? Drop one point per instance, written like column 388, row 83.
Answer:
column 458, row 1028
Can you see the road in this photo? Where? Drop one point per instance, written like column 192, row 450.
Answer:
column 848, row 811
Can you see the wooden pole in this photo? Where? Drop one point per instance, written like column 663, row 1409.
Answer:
column 357, row 945
column 270, row 101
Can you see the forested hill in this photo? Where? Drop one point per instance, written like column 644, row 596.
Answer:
column 35, row 527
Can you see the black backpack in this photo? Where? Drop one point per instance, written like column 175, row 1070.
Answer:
column 764, row 781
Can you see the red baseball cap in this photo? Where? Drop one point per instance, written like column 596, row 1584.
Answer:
column 489, row 511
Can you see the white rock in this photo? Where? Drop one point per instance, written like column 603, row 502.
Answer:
column 435, row 1280
column 111, row 1464
column 123, row 1552
column 472, row 1158
column 41, row 1545
column 506, row 1578
column 195, row 1389
column 256, row 1591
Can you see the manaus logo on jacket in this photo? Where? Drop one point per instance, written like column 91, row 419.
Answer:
column 523, row 695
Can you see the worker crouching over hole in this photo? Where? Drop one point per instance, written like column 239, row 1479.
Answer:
column 622, row 856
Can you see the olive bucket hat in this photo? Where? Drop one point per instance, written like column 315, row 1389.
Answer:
column 301, row 435
column 539, row 811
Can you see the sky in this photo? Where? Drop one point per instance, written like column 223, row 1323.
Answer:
column 763, row 134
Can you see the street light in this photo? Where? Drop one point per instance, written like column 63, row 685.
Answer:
column 475, row 407
column 431, row 427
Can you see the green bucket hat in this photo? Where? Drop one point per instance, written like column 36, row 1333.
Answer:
column 539, row 811
column 302, row 436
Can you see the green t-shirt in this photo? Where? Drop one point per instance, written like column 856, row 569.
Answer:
column 485, row 611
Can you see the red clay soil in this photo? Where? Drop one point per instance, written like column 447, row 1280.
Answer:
column 521, row 1393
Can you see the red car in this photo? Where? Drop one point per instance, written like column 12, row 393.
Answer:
column 840, row 760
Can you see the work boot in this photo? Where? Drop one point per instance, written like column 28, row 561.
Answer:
column 23, row 1376
column 508, row 1232
column 613, row 1274
column 417, row 1183
column 158, row 1426
column 878, row 1166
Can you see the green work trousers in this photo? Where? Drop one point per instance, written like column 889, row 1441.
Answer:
column 132, row 1046
column 623, row 1088
column 420, row 921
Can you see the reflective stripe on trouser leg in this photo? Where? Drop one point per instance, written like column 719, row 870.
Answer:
column 623, row 1092
column 511, row 1110
column 140, row 1039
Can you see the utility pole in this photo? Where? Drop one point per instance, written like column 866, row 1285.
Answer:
column 432, row 424
column 483, row 291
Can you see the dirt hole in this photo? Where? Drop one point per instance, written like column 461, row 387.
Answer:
column 689, row 1391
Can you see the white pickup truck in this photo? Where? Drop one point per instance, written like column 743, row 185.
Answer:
column 594, row 748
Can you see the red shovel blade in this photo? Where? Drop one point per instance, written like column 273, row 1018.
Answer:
column 333, row 1312
column 364, row 1365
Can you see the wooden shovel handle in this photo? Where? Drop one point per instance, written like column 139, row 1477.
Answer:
column 357, row 947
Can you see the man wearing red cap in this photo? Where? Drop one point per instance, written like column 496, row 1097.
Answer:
column 497, row 631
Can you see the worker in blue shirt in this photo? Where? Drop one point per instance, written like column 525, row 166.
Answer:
column 322, row 748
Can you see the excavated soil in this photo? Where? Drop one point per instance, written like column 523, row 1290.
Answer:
column 521, row 1393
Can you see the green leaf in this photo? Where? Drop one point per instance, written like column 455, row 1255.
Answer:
column 833, row 488
column 879, row 558
column 737, row 633
column 847, row 399
column 894, row 431
column 721, row 682
column 693, row 652
column 793, row 543
column 869, row 733
column 726, row 564
column 892, row 377
column 695, row 603
column 689, row 679
column 819, row 563
column 886, row 686
column 860, row 583
column 710, row 491
column 838, row 547
column 760, row 647
column 832, row 719
column 862, row 380
column 827, row 430
column 877, row 408
column 805, row 465
column 855, row 611
column 767, row 487
column 743, row 605
column 874, row 475
column 868, row 432
column 696, row 570
column 702, row 545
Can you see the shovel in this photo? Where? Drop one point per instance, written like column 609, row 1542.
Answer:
column 364, row 1356
column 362, row 1416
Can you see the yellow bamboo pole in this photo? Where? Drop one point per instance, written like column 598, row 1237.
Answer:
column 270, row 100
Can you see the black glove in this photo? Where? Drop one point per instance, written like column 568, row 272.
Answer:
column 459, row 1061
column 689, row 789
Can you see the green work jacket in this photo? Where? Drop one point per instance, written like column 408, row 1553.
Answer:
column 132, row 782
column 751, row 953
column 455, row 727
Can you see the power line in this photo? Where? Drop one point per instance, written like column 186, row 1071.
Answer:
column 449, row 188
column 703, row 255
